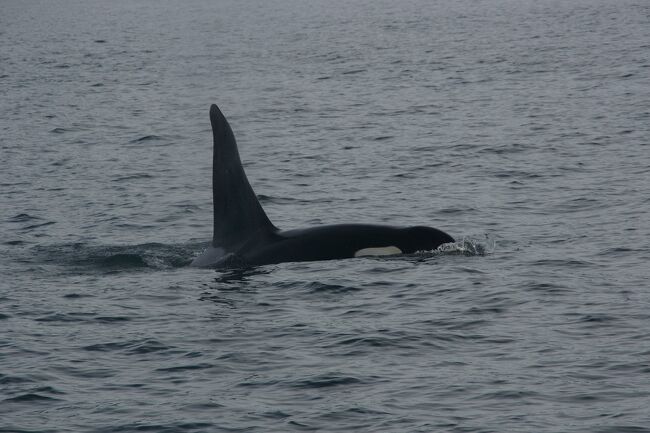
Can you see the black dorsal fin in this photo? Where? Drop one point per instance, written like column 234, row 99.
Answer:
column 238, row 215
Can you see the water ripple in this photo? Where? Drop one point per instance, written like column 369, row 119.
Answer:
column 527, row 122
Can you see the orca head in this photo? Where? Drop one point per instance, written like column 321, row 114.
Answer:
column 421, row 238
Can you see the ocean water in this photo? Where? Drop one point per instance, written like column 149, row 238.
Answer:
column 519, row 127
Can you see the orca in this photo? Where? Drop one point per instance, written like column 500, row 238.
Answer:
column 245, row 237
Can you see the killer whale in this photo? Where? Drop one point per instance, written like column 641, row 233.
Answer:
column 243, row 235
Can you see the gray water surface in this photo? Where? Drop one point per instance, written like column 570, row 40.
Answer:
column 519, row 127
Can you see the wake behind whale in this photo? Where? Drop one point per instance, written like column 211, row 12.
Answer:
column 244, row 236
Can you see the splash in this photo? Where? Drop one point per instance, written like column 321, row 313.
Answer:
column 465, row 247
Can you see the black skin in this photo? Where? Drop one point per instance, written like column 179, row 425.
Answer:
column 244, row 236
column 339, row 242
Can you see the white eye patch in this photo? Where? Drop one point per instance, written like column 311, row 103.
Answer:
column 381, row 251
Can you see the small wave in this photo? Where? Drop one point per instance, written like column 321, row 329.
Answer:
column 34, row 221
column 106, row 347
column 505, row 149
column 519, row 174
column 375, row 342
column 75, row 296
column 506, row 395
column 578, row 204
column 15, row 242
column 10, row 380
column 60, row 162
column 147, row 138
column 133, row 347
column 353, row 71
column 148, row 346
column 170, row 427
column 597, row 321
column 133, row 177
column 22, row 217
column 115, row 258
column 237, row 276
column 63, row 317
column 189, row 367
column 622, row 429
column 546, row 288
column 317, row 287
column 596, row 318
column 620, row 252
column 111, row 319
column 455, row 210
column 571, row 263
column 36, row 395
column 30, row 398
column 81, row 318
column 288, row 200
column 326, row 380
column 262, row 198
column 35, row 226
